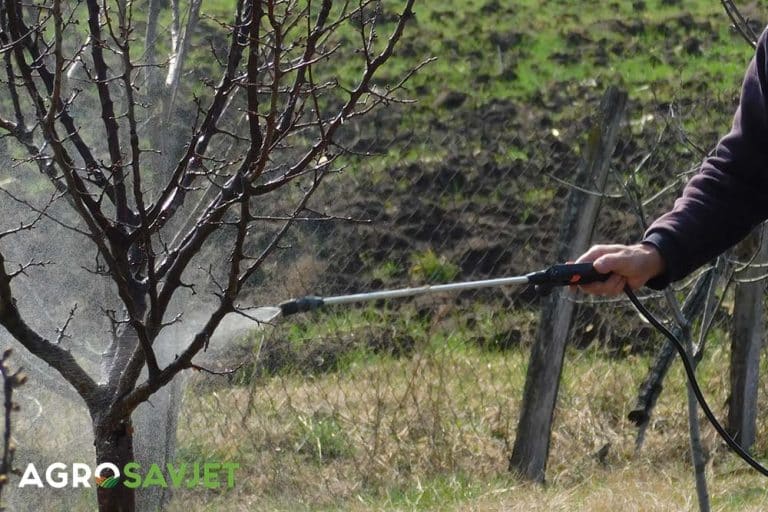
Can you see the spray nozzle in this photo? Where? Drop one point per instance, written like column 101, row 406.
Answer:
column 301, row 305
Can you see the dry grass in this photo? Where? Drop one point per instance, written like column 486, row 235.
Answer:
column 432, row 433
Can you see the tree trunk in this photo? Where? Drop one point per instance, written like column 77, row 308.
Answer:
column 114, row 444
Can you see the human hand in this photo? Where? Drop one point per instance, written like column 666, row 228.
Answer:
column 631, row 265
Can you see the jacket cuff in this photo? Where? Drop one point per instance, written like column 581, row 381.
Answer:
column 669, row 251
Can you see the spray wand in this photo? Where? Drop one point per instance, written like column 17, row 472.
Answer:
column 544, row 280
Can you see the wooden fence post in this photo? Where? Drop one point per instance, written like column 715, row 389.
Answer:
column 746, row 342
column 652, row 386
column 531, row 447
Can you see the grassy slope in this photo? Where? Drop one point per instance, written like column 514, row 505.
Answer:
column 551, row 58
column 519, row 49
column 519, row 52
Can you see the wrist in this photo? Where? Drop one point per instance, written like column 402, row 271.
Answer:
column 653, row 262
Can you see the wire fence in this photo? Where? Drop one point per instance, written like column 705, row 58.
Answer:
column 385, row 399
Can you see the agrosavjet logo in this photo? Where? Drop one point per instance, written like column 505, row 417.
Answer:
column 210, row 475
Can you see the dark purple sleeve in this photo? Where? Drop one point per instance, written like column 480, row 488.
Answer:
column 728, row 197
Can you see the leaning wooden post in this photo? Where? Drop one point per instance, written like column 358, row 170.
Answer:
column 531, row 447
column 652, row 386
column 746, row 342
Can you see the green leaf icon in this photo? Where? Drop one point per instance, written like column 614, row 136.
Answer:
column 110, row 482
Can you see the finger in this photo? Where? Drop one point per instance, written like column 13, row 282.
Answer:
column 615, row 285
column 636, row 283
column 597, row 251
column 594, row 289
column 621, row 262
column 610, row 287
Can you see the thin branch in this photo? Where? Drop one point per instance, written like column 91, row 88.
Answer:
column 111, row 128
column 582, row 189
column 62, row 331
column 741, row 25
column 172, row 196
column 23, row 267
column 59, row 359
column 226, row 372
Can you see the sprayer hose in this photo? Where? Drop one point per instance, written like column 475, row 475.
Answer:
column 736, row 447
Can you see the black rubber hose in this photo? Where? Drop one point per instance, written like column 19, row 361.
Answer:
column 689, row 371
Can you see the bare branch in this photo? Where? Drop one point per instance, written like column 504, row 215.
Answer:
column 62, row 331
column 180, row 43
column 58, row 358
column 111, row 128
column 23, row 267
column 225, row 372
column 173, row 195
column 741, row 25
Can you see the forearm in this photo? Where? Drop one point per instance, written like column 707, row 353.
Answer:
column 729, row 195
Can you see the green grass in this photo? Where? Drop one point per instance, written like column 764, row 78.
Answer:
column 550, row 58
column 387, row 271
column 473, row 54
column 428, row 267
column 321, row 437
column 434, row 494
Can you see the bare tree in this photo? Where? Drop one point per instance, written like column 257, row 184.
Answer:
column 274, row 117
